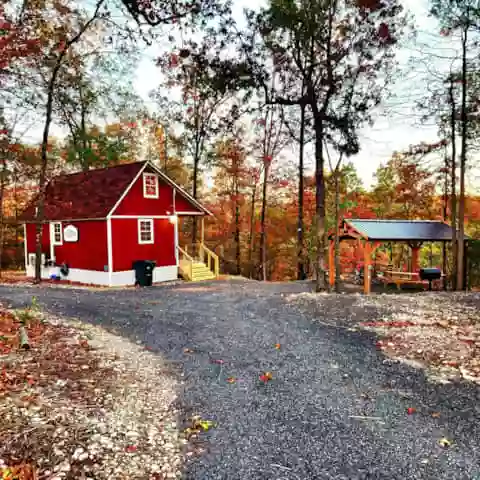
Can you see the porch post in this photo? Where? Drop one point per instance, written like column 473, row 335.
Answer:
column 331, row 262
column 366, row 268
column 202, row 235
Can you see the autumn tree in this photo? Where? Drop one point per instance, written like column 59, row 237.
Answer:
column 17, row 41
column 231, row 182
column 404, row 190
column 97, row 86
column 324, row 45
column 461, row 18
column 61, row 33
column 206, row 106
column 268, row 145
column 299, row 129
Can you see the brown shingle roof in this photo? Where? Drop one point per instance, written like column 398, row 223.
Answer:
column 85, row 195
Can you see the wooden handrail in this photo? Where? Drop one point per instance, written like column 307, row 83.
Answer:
column 211, row 255
column 185, row 254
column 203, row 251
column 185, row 263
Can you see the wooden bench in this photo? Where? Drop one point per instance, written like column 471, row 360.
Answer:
column 401, row 278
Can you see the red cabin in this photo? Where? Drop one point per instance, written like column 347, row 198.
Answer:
column 97, row 223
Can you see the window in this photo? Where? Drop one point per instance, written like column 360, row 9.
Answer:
column 150, row 185
column 57, row 237
column 145, row 231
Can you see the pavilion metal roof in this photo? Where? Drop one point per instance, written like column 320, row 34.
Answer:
column 402, row 230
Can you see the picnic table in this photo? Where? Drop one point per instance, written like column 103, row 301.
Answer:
column 400, row 278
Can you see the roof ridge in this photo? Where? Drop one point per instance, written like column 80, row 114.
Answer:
column 94, row 170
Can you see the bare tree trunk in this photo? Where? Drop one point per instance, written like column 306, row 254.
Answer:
column 196, row 162
column 39, row 217
column 237, row 229
column 463, row 161
column 263, row 233
column 252, row 229
column 445, row 219
column 337, row 229
column 43, row 176
column 453, row 199
column 2, row 213
column 320, row 205
column 300, row 233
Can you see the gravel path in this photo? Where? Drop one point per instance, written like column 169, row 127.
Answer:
column 302, row 424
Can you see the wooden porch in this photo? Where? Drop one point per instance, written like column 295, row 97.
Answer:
column 196, row 261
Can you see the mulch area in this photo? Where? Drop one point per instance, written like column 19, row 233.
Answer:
column 53, row 369
column 439, row 331
column 78, row 402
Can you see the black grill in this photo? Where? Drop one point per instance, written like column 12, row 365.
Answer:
column 430, row 274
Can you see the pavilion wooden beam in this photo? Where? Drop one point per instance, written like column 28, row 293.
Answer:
column 331, row 262
column 367, row 285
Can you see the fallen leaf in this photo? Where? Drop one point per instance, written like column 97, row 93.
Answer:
column 277, row 346
column 411, row 410
column 131, row 448
column 231, row 380
column 187, row 350
column 436, row 415
column 218, row 361
column 445, row 442
column 206, row 424
column 266, row 377
column 451, row 364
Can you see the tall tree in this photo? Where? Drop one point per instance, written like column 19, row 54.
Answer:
column 270, row 143
column 461, row 18
column 206, row 106
column 324, row 45
column 65, row 31
column 97, row 85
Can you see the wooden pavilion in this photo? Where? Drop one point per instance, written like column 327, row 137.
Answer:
column 373, row 233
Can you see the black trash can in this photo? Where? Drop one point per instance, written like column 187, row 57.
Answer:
column 144, row 272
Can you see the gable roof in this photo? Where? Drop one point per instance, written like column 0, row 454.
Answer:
column 402, row 230
column 93, row 194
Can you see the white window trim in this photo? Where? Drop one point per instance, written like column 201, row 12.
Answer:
column 139, row 224
column 52, row 226
column 154, row 175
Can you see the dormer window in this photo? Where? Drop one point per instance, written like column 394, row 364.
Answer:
column 150, row 185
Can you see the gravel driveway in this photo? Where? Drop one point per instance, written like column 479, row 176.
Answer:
column 302, row 425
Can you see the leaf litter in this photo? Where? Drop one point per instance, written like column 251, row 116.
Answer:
column 84, row 403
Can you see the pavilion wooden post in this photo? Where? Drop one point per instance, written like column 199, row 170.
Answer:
column 367, row 274
column 415, row 246
column 331, row 262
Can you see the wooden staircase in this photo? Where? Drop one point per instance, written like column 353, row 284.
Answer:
column 200, row 264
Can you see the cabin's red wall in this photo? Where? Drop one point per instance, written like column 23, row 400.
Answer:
column 126, row 248
column 90, row 252
column 183, row 205
column 31, row 238
column 134, row 202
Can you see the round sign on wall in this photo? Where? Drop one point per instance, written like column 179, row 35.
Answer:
column 70, row 234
